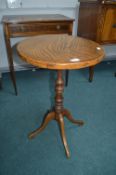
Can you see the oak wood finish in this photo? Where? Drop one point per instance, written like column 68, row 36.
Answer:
column 30, row 25
column 97, row 21
column 59, row 52
column 108, row 32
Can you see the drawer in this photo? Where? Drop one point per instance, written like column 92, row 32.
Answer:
column 30, row 29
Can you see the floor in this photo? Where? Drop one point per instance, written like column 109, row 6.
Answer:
column 92, row 147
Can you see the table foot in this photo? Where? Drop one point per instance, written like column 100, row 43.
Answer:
column 50, row 116
column 61, row 124
column 68, row 115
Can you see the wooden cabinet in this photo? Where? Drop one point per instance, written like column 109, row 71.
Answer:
column 30, row 25
column 97, row 20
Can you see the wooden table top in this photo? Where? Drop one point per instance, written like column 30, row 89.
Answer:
column 60, row 52
column 34, row 18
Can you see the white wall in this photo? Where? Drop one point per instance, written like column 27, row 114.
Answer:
column 66, row 7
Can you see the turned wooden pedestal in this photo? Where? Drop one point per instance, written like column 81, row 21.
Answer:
column 58, row 113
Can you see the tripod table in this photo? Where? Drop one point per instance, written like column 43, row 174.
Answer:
column 59, row 52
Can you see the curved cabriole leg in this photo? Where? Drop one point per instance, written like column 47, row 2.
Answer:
column 48, row 118
column 59, row 88
column 68, row 115
column 61, row 124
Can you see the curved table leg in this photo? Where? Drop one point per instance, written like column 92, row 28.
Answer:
column 68, row 115
column 61, row 124
column 47, row 119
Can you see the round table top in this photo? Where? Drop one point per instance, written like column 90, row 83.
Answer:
column 60, row 52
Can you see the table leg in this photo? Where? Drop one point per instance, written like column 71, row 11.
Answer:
column 68, row 115
column 91, row 73
column 66, row 77
column 9, row 55
column 0, row 83
column 0, row 80
column 59, row 88
column 62, row 129
column 47, row 119
column 58, row 113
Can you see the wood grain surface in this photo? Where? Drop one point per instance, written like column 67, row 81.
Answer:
column 60, row 52
column 97, row 20
column 34, row 18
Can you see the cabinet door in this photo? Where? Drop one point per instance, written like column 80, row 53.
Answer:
column 109, row 28
column 87, row 21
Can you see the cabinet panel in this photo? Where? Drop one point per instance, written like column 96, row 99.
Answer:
column 87, row 22
column 97, row 21
column 109, row 28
